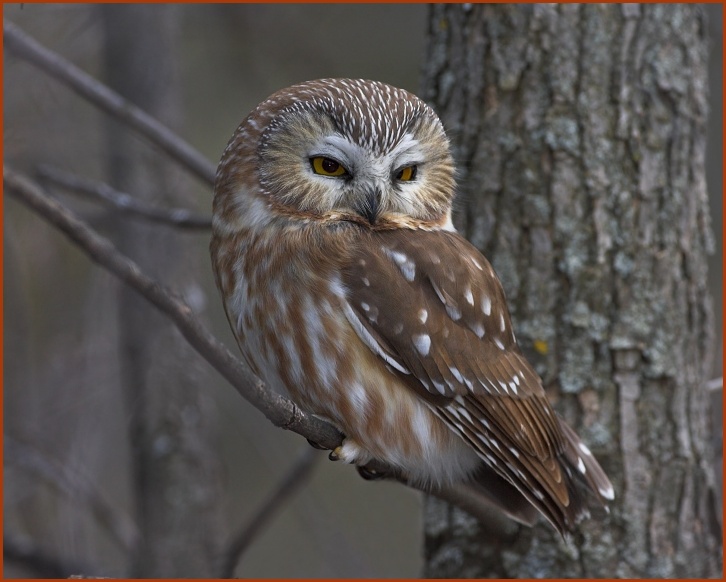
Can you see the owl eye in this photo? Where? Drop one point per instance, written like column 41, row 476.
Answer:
column 327, row 167
column 406, row 174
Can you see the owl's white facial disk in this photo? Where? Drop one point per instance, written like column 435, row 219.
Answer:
column 373, row 132
column 370, row 175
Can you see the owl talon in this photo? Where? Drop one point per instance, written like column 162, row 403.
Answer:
column 370, row 474
column 350, row 452
column 316, row 445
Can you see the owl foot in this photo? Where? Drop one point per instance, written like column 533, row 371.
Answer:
column 350, row 452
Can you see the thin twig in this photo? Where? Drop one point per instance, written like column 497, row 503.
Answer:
column 125, row 203
column 26, row 48
column 279, row 410
column 75, row 485
column 290, row 484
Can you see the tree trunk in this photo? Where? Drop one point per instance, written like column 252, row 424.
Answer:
column 175, row 472
column 579, row 133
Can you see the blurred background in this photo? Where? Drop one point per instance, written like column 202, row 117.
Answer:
column 66, row 416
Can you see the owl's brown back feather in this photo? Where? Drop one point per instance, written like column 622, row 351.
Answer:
column 437, row 308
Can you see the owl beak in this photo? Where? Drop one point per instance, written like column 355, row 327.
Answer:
column 369, row 205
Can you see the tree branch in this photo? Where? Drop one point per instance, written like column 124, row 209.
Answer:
column 290, row 484
column 279, row 410
column 125, row 203
column 26, row 48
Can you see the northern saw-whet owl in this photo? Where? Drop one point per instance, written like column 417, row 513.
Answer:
column 347, row 286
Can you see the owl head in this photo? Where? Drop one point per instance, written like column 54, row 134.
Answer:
column 342, row 149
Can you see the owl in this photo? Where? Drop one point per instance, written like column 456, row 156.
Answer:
column 347, row 286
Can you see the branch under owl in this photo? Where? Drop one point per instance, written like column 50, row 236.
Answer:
column 279, row 410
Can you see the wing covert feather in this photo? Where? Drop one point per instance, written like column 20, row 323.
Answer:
column 440, row 311
column 439, row 307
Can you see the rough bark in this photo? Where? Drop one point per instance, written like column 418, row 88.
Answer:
column 175, row 472
column 579, row 132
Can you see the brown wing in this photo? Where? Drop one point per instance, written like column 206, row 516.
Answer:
column 431, row 305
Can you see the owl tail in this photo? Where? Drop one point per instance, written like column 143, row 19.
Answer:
column 582, row 467
column 587, row 488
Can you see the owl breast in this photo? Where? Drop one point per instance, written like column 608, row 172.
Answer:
column 287, row 310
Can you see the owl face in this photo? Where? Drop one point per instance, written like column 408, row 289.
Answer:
column 354, row 150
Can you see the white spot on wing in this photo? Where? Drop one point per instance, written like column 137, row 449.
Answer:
column 455, row 372
column 423, row 315
column 453, row 312
column 581, row 466
column 486, row 305
column 405, row 265
column 499, row 343
column 607, row 493
column 502, row 323
column 584, row 449
column 440, row 387
column 476, row 263
column 465, row 413
column 469, row 296
column 422, row 342
column 478, row 329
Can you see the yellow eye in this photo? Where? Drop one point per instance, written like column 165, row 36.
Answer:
column 406, row 174
column 327, row 167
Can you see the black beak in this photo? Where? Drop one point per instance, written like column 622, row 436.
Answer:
column 369, row 205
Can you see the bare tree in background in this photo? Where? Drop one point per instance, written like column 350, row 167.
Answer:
column 579, row 132
column 174, row 468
